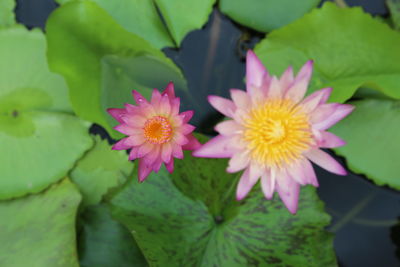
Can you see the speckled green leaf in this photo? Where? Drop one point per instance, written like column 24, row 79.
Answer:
column 192, row 219
column 184, row 16
column 104, row 242
column 266, row 15
column 373, row 140
column 100, row 170
column 81, row 38
column 138, row 17
column 7, row 16
column 350, row 49
column 40, row 141
column 39, row 230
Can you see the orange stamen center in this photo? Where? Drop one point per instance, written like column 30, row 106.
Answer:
column 157, row 130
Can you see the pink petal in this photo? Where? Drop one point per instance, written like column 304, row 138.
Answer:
column 133, row 154
column 135, row 140
column 341, row 111
column 155, row 97
column 286, row 79
column 303, row 173
column 223, row 105
column 144, row 149
column 288, row 190
column 164, row 106
column 166, row 152
column 151, row 157
column 131, row 108
column 322, row 112
column 186, row 116
column 218, row 147
column 275, row 90
column 268, row 184
column 329, row 140
column 246, row 183
column 175, row 103
column 170, row 166
column 324, row 160
column 177, row 151
column 299, row 87
column 144, row 170
column 157, row 165
column 240, row 98
column 255, row 71
column 238, row 162
column 315, row 99
column 228, row 127
column 192, row 144
column 121, row 145
column 187, row 129
column 169, row 91
column 180, row 139
column 134, row 121
column 117, row 113
column 126, row 129
column 140, row 100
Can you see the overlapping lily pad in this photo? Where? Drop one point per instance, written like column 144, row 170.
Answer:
column 184, row 16
column 138, row 17
column 39, row 230
column 192, row 219
column 373, row 141
column 266, row 15
column 40, row 141
column 82, row 39
column 100, row 170
column 104, row 242
column 350, row 49
column 7, row 17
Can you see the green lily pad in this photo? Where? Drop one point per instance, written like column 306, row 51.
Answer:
column 138, row 17
column 182, row 17
column 100, row 170
column 39, row 230
column 350, row 49
column 266, row 15
column 7, row 16
column 192, row 219
column 394, row 8
column 86, row 31
column 40, row 141
column 104, row 242
column 373, row 140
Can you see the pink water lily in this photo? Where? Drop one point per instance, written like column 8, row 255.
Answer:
column 156, row 132
column 273, row 133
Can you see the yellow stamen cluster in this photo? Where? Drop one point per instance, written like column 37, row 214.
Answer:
column 277, row 133
column 157, row 130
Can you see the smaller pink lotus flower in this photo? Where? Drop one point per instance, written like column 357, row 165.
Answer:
column 273, row 133
column 156, row 132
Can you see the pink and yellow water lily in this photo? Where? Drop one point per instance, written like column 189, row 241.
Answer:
column 273, row 132
column 157, row 132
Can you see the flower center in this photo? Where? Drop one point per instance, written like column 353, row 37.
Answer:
column 157, row 130
column 277, row 133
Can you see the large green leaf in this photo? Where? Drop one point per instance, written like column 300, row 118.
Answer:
column 7, row 16
column 39, row 230
column 104, row 242
column 100, row 170
column 266, row 15
column 138, row 17
column 373, row 140
column 192, row 219
column 184, row 16
column 349, row 48
column 88, row 47
column 39, row 146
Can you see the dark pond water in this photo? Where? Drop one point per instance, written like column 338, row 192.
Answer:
column 364, row 216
